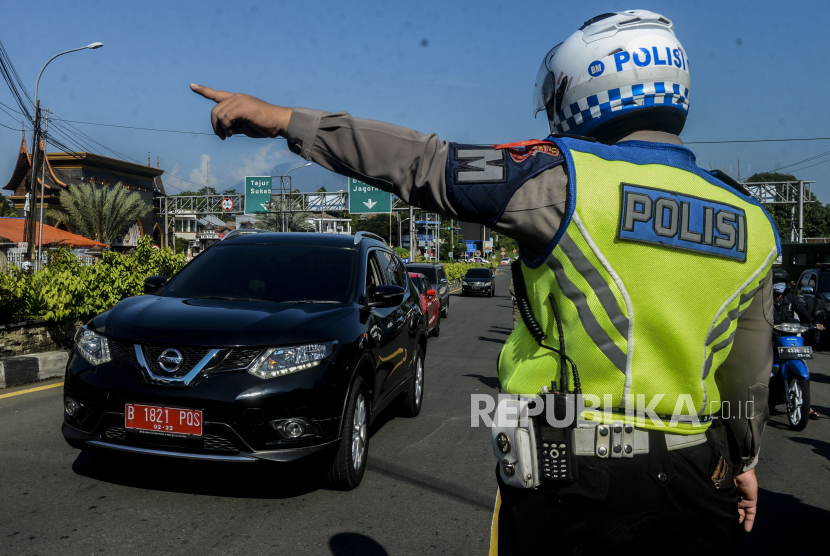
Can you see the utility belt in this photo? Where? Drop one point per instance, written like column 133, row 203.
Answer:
column 530, row 452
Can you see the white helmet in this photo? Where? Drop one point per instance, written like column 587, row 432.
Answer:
column 618, row 73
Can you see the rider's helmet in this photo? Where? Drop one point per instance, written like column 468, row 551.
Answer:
column 779, row 287
column 619, row 73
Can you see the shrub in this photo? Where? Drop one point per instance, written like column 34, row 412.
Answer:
column 66, row 290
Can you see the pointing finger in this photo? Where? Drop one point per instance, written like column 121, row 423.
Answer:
column 212, row 94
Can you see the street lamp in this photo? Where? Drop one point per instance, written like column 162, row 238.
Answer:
column 35, row 134
column 282, row 196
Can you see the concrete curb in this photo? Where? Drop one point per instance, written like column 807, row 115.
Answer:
column 15, row 371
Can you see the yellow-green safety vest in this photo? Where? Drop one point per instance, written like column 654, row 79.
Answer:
column 652, row 266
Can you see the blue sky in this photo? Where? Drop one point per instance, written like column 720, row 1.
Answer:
column 464, row 70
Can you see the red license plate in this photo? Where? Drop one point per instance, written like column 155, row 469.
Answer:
column 166, row 421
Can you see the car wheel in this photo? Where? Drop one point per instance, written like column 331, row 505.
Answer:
column 437, row 330
column 349, row 464
column 445, row 312
column 415, row 395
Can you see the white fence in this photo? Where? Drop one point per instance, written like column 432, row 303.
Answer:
column 15, row 256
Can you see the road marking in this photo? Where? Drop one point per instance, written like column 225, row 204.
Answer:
column 38, row 389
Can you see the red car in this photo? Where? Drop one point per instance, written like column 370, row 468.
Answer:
column 430, row 302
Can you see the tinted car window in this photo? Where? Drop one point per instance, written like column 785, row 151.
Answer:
column 441, row 274
column 823, row 282
column 428, row 271
column 390, row 269
column 419, row 284
column 276, row 273
column 479, row 273
column 427, row 285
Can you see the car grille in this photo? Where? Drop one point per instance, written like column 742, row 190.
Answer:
column 192, row 356
column 116, row 433
column 239, row 358
column 123, row 351
column 219, row 444
column 212, row 442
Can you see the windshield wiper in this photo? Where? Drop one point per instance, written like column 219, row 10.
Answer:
column 311, row 301
column 226, row 298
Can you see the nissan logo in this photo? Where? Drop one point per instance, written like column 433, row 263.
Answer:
column 170, row 360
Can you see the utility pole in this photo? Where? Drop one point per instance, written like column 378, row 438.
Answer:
column 42, row 193
column 412, row 240
column 452, row 238
column 166, row 223
column 438, row 238
column 800, row 212
column 31, row 190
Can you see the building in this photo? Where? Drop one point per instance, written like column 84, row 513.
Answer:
column 63, row 170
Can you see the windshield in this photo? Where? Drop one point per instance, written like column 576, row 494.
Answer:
column 278, row 273
column 429, row 271
column 478, row 273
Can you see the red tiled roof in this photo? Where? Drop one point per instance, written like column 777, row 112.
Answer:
column 12, row 228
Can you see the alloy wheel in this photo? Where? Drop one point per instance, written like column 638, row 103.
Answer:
column 795, row 401
column 359, row 430
column 419, row 380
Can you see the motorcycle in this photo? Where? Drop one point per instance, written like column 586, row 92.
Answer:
column 790, row 377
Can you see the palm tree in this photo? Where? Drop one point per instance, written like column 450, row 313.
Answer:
column 294, row 221
column 99, row 212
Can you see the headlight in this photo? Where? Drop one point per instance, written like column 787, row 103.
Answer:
column 791, row 328
column 284, row 360
column 464, row 283
column 92, row 346
column 486, row 283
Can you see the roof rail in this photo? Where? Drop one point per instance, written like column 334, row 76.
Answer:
column 243, row 231
column 360, row 235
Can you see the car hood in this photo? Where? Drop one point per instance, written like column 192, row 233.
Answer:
column 217, row 322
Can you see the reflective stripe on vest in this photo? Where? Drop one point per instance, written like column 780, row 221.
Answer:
column 686, row 299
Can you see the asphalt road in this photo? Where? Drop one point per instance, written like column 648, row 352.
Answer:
column 429, row 488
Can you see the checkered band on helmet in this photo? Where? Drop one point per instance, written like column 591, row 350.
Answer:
column 589, row 112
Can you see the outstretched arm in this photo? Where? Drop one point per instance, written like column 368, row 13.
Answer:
column 408, row 163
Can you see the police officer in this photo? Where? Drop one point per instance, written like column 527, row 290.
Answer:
column 660, row 270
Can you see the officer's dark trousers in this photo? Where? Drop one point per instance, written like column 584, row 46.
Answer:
column 623, row 504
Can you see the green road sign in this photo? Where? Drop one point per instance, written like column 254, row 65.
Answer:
column 257, row 194
column 367, row 199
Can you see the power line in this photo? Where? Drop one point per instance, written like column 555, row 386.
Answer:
column 142, row 128
column 756, row 141
column 810, row 166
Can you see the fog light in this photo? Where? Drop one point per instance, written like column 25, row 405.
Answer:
column 71, row 406
column 294, row 429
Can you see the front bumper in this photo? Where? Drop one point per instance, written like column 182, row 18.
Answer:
column 238, row 409
column 477, row 289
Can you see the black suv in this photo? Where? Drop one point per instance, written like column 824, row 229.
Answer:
column 438, row 277
column 479, row 281
column 265, row 347
column 814, row 288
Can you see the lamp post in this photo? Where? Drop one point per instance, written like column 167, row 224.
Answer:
column 35, row 132
column 282, row 197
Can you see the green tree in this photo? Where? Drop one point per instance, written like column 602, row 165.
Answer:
column 294, row 221
column 99, row 212
column 6, row 207
column 816, row 214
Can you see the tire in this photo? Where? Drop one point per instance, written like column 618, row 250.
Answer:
column 437, row 330
column 798, row 403
column 415, row 394
column 349, row 464
column 445, row 311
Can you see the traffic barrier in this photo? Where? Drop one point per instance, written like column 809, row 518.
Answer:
column 15, row 371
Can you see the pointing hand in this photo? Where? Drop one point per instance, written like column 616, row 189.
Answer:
column 237, row 113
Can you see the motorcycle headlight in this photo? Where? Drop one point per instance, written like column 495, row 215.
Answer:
column 92, row 346
column 285, row 360
column 791, row 328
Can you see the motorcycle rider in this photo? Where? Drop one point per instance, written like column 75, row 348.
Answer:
column 622, row 83
column 787, row 305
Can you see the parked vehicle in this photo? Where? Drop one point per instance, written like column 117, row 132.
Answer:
column 479, row 281
column 267, row 347
column 790, row 378
column 506, row 261
column 438, row 278
column 430, row 302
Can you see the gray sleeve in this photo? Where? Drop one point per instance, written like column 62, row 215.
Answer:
column 413, row 167
column 743, row 378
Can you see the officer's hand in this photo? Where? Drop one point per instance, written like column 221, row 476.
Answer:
column 747, row 485
column 820, row 326
column 237, row 113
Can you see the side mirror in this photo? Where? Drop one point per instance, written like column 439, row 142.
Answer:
column 807, row 289
column 431, row 293
column 443, row 281
column 387, row 296
column 152, row 284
